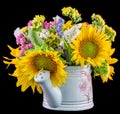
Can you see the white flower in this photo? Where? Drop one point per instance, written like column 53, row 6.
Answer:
column 44, row 33
column 17, row 32
column 56, row 18
column 72, row 32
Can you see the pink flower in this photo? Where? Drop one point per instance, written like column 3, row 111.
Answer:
column 48, row 24
column 29, row 45
column 29, row 23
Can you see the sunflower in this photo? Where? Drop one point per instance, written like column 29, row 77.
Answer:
column 90, row 46
column 110, row 72
column 110, row 68
column 34, row 61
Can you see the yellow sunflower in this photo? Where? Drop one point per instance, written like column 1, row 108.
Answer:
column 34, row 61
column 90, row 46
column 110, row 72
column 110, row 68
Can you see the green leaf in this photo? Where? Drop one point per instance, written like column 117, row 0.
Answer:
column 44, row 46
column 68, row 51
column 34, row 37
column 102, row 70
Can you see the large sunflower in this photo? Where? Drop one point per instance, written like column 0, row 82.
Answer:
column 31, row 63
column 90, row 46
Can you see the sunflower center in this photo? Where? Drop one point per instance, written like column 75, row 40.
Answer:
column 45, row 62
column 88, row 49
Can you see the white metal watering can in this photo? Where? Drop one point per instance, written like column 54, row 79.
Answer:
column 75, row 95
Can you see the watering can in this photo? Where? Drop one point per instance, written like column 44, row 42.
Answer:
column 75, row 95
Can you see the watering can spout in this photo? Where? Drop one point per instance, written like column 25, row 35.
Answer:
column 53, row 94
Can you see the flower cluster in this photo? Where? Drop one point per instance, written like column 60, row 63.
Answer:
column 53, row 45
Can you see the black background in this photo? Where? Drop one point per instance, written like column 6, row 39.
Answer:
column 16, row 14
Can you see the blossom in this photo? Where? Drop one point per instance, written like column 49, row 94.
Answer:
column 32, row 63
column 72, row 33
column 90, row 46
column 44, row 33
column 58, row 43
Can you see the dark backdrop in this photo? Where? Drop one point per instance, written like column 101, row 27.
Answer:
column 16, row 14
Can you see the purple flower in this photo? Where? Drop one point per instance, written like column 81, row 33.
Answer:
column 59, row 27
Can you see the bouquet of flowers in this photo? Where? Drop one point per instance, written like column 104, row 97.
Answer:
column 59, row 43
